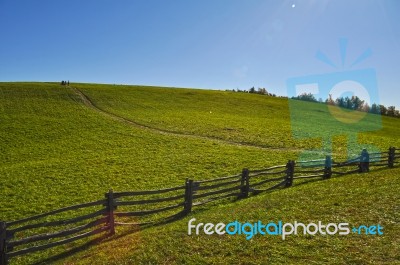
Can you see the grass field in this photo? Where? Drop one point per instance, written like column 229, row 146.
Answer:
column 57, row 151
column 239, row 117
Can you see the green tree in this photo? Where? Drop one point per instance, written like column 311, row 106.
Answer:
column 348, row 103
column 340, row 102
column 391, row 111
column 375, row 109
column 306, row 97
column 262, row 91
column 383, row 110
column 357, row 103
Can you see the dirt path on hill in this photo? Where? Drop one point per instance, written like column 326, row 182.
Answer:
column 89, row 103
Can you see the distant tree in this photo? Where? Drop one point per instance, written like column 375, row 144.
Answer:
column 397, row 113
column 375, row 109
column 383, row 110
column 262, row 91
column 366, row 107
column 340, row 102
column 357, row 103
column 306, row 97
column 348, row 103
column 391, row 111
column 252, row 90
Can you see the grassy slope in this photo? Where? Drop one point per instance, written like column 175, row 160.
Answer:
column 240, row 117
column 56, row 151
column 226, row 115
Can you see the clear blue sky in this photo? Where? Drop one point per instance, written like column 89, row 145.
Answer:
column 216, row 44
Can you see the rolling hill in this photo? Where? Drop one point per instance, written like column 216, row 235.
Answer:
column 65, row 145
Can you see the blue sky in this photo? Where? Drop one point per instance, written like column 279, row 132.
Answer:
column 217, row 44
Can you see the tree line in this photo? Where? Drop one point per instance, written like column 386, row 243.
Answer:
column 253, row 90
column 353, row 103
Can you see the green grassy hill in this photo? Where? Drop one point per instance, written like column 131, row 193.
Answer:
column 239, row 117
column 57, row 149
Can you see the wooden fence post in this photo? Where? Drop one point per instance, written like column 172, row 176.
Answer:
column 392, row 153
column 244, row 184
column 328, row 167
column 110, row 211
column 3, row 248
column 188, row 196
column 289, row 173
column 364, row 161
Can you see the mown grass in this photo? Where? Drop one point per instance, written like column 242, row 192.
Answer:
column 224, row 115
column 55, row 151
column 246, row 118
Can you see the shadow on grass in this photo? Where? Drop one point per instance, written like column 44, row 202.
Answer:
column 72, row 251
column 106, row 237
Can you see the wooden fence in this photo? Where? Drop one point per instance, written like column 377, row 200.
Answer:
column 52, row 229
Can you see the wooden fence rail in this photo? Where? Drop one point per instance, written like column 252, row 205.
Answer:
column 182, row 198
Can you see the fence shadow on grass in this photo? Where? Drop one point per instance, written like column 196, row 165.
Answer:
column 73, row 250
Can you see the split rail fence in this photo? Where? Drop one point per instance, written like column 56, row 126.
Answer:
column 57, row 227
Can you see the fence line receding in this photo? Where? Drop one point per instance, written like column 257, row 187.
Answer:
column 76, row 222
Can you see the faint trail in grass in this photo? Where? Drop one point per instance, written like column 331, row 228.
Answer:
column 89, row 103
